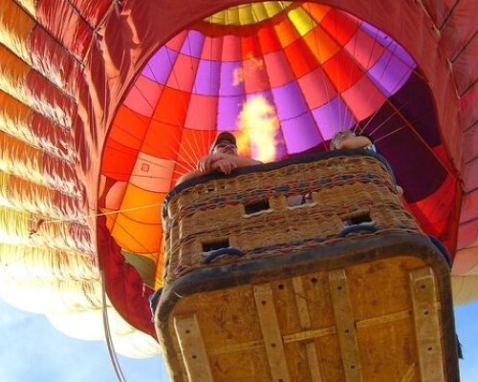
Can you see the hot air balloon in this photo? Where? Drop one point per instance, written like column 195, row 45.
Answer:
column 104, row 104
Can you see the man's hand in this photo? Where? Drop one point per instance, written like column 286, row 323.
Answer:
column 205, row 164
column 224, row 165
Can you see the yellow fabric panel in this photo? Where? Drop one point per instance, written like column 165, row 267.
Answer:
column 138, row 237
column 142, row 206
column 29, row 6
column 75, row 308
column 20, row 159
column 16, row 228
column 274, row 7
column 26, row 263
column 26, row 162
column 13, row 74
column 158, row 282
column 301, row 20
column 464, row 288
column 248, row 14
column 15, row 27
column 23, row 195
column 15, row 118
column 64, row 236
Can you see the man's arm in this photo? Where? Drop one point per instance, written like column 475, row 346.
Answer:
column 221, row 162
column 354, row 142
column 190, row 175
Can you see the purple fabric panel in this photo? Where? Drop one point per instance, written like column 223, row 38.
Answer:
column 389, row 73
column 402, row 54
column 228, row 86
column 192, row 45
column 159, row 66
column 382, row 38
column 228, row 110
column 289, row 101
column 388, row 43
column 300, row 133
column 333, row 117
column 207, row 78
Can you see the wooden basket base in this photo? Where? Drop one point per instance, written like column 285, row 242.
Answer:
column 351, row 317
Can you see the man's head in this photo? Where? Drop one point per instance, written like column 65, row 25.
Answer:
column 225, row 143
column 337, row 139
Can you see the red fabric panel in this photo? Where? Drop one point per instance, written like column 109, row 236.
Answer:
column 340, row 26
column 92, row 11
column 59, row 18
column 118, row 160
column 162, row 140
column 250, row 47
column 342, row 71
column 53, row 60
column 469, row 109
column 301, row 60
column 50, row 136
column 49, row 100
column 125, row 288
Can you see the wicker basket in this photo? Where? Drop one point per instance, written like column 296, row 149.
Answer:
column 305, row 270
column 258, row 214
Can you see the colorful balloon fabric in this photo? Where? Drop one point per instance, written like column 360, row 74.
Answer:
column 104, row 104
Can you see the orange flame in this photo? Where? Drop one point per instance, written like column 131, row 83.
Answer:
column 258, row 125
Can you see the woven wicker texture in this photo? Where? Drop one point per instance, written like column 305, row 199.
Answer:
column 309, row 205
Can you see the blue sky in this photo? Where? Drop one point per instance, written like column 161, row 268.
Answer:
column 31, row 350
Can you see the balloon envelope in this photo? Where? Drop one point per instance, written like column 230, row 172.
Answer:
column 104, row 104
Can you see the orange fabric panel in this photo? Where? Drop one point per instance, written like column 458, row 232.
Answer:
column 320, row 44
column 286, row 33
column 137, row 237
column 15, row 28
column 142, row 206
column 13, row 75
